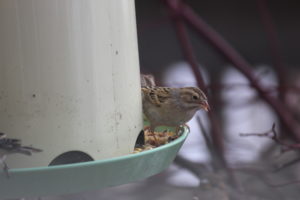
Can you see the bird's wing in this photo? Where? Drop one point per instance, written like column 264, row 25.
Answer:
column 157, row 95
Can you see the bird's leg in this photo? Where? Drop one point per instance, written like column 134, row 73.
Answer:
column 5, row 167
column 151, row 131
column 147, row 128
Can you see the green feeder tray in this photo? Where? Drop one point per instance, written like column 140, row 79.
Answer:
column 92, row 175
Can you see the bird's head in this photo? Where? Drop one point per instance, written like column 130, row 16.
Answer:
column 193, row 98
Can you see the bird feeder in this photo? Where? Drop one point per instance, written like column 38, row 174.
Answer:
column 69, row 85
column 69, row 78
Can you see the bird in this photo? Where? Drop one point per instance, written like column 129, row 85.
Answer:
column 166, row 106
column 147, row 80
column 12, row 146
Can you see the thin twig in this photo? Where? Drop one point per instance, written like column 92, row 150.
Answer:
column 272, row 134
column 285, row 165
column 205, row 135
column 194, row 168
column 215, row 161
column 283, row 184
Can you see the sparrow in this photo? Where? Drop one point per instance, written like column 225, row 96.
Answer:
column 165, row 106
column 11, row 146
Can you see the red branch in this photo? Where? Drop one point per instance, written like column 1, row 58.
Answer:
column 186, row 45
column 190, row 57
column 224, row 48
column 188, row 52
column 273, row 44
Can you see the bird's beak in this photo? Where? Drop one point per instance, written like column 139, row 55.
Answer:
column 205, row 106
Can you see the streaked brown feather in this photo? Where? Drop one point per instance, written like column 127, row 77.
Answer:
column 157, row 95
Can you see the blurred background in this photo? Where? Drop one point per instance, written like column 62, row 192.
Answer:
column 216, row 162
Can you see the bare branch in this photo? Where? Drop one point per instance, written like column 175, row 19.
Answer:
column 284, row 184
column 272, row 134
column 285, row 165
column 195, row 168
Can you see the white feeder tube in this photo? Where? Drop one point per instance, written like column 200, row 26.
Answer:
column 69, row 77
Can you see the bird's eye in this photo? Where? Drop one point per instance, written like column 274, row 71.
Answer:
column 195, row 97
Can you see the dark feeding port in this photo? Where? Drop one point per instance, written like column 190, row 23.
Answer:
column 140, row 141
column 71, row 157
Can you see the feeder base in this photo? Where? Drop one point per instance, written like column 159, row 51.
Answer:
column 79, row 177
